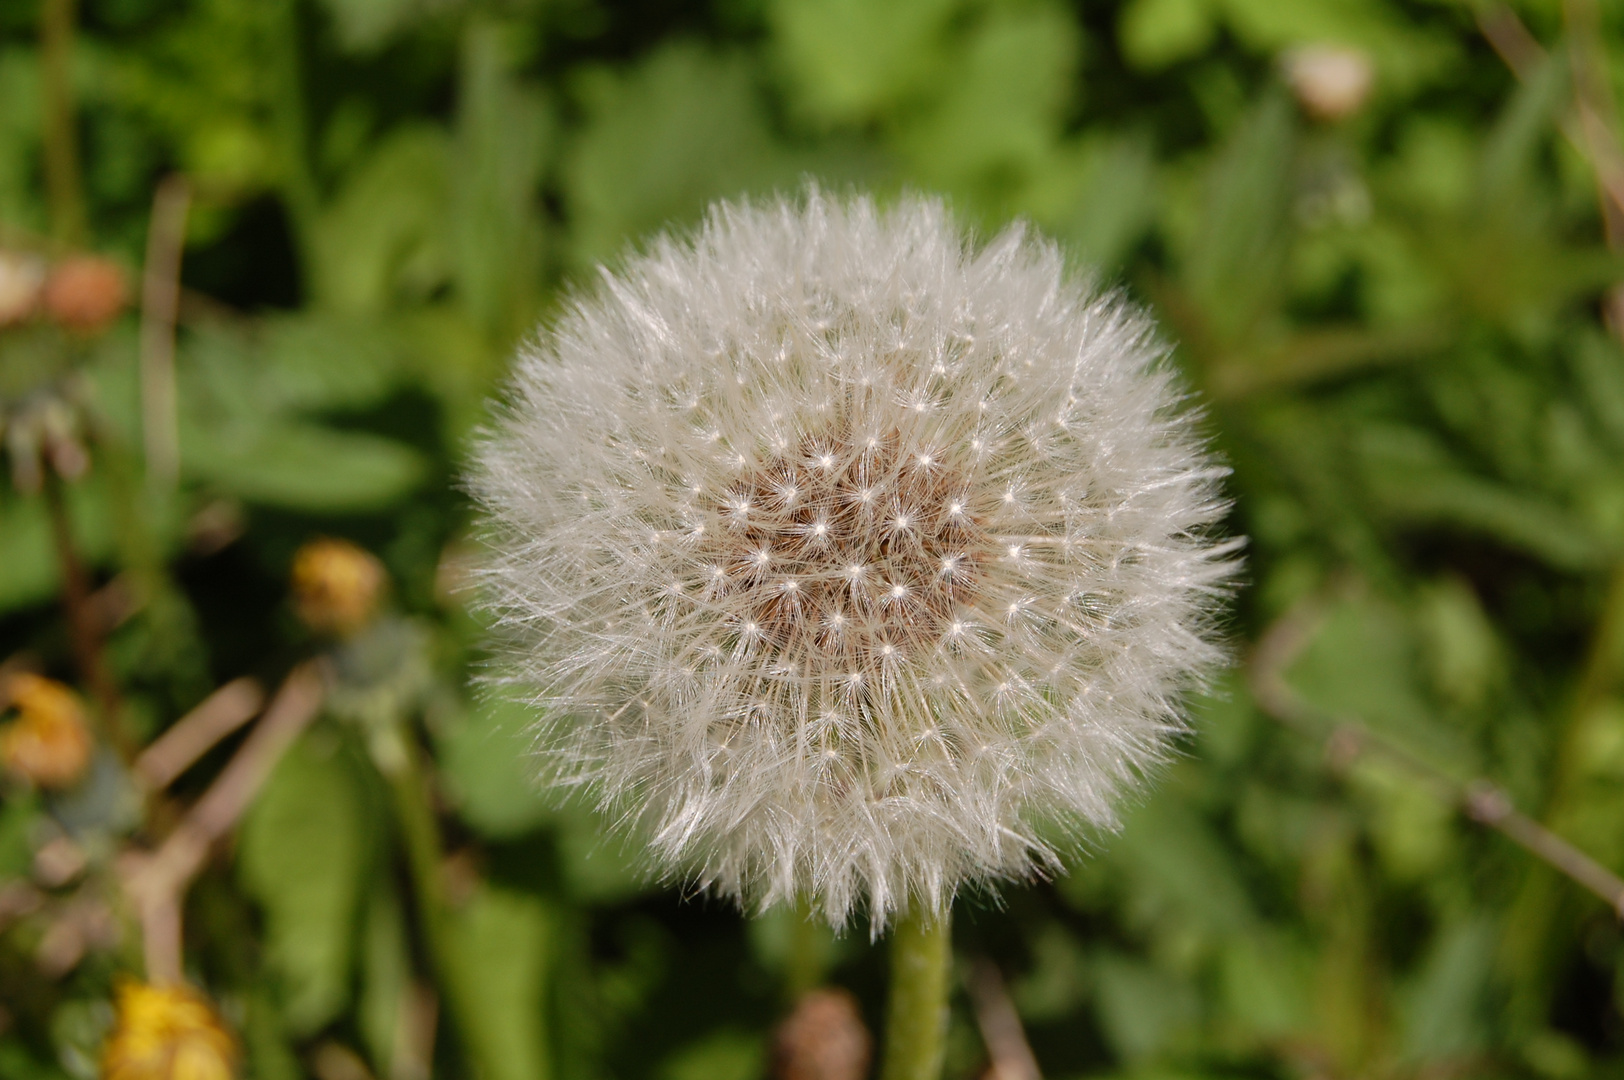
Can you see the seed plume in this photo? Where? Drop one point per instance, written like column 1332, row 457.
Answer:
column 848, row 561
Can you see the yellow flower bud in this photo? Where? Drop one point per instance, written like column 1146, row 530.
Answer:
column 336, row 586
column 167, row 1033
column 49, row 743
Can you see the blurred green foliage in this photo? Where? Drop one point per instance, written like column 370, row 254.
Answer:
column 1394, row 318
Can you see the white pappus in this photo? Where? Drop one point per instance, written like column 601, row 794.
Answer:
column 849, row 561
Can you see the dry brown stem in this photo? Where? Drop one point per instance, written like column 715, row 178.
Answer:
column 196, row 733
column 1586, row 126
column 1000, row 1025
column 1481, row 800
column 84, row 625
column 160, row 306
column 157, row 882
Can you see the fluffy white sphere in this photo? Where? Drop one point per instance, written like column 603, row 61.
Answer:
column 848, row 561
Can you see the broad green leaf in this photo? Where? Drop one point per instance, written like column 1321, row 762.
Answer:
column 386, row 973
column 384, row 236
column 850, row 61
column 505, row 133
column 1362, row 666
column 1266, row 984
column 313, row 361
column 1443, row 1002
column 502, row 941
column 1097, row 196
column 996, row 121
column 490, row 772
column 1178, row 870
column 303, row 855
column 684, row 127
column 1142, row 1010
column 599, row 865
column 303, row 466
column 1156, row 33
column 726, row 1055
column 29, row 567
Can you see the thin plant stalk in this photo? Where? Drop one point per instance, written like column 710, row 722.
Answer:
column 916, row 1014
column 399, row 760
column 299, row 190
column 84, row 627
column 160, row 304
column 64, row 187
column 158, row 882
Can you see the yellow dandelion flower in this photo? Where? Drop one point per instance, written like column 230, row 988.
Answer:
column 167, row 1033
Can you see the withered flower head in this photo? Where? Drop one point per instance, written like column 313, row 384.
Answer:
column 336, row 585
column 85, row 292
column 48, row 743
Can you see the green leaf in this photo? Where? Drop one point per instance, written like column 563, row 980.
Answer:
column 1176, row 866
column 304, row 467
column 489, row 771
column 313, row 361
column 851, row 60
column 726, row 1055
column 1234, row 253
column 386, row 972
column 1156, row 33
column 19, row 820
column 994, row 123
column 1142, row 1010
column 1097, row 196
column 367, row 24
column 501, row 940
column 1266, row 984
column 504, row 136
column 1414, row 480
column 384, row 236
column 1442, row 1004
column 303, row 854
column 684, row 127
column 29, row 570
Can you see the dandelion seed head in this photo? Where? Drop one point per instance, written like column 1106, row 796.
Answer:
column 889, row 687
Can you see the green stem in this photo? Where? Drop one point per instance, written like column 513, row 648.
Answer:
column 84, row 629
column 64, row 188
column 916, row 1016
column 420, row 834
column 289, row 114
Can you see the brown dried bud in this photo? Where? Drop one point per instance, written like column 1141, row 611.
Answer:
column 49, row 743
column 85, row 292
column 336, row 586
column 823, row 1039
column 21, row 279
column 1330, row 81
column 167, row 1033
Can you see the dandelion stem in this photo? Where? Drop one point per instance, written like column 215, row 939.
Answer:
column 84, row 628
column 400, row 762
column 63, row 186
column 160, row 304
column 916, row 1016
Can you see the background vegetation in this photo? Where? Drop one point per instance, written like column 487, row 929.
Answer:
column 1392, row 299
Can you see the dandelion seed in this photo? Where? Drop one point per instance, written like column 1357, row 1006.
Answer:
column 877, row 571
